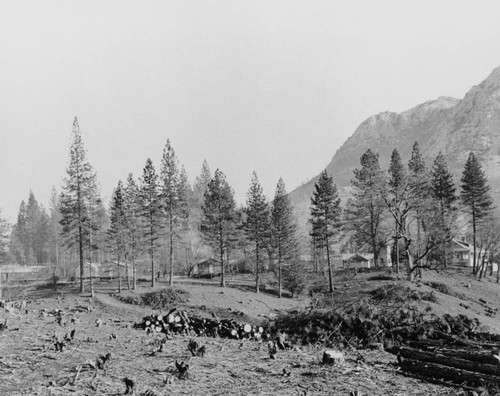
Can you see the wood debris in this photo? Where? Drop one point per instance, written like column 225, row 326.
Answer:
column 181, row 323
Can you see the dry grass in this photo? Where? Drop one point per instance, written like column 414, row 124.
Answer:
column 29, row 364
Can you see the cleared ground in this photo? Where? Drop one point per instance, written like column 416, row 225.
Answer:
column 30, row 364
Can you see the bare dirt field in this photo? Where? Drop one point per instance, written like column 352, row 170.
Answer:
column 31, row 365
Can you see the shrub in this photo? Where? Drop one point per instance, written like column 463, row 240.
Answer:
column 441, row 287
column 381, row 277
column 400, row 293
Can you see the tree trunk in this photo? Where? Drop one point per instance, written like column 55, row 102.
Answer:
column 257, row 272
column 221, row 246
column 152, row 254
column 119, row 271
column 171, row 253
column 396, row 241
column 474, row 269
column 80, row 251
column 280, row 270
column 91, row 281
column 126, row 274
column 134, row 275
column 375, row 252
column 481, row 268
column 328, row 260
column 410, row 266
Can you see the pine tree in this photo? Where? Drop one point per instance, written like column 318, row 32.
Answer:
column 257, row 223
column 19, row 237
column 365, row 210
column 131, row 203
column 118, row 229
column 170, row 198
column 30, row 235
column 325, row 217
column 283, row 229
column 201, row 185
column 76, row 190
column 475, row 196
column 218, row 220
column 4, row 245
column 197, row 247
column 184, row 231
column 419, row 192
column 443, row 191
column 33, row 219
column 4, row 242
column 96, row 223
column 55, row 229
column 185, row 194
column 397, row 200
column 151, row 212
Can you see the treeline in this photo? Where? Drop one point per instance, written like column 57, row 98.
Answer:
column 412, row 210
column 162, row 225
column 158, row 220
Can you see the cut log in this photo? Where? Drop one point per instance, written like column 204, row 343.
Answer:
column 439, row 371
column 437, row 357
column 247, row 328
column 474, row 356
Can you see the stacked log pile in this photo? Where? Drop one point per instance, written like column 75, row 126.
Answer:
column 179, row 322
column 465, row 363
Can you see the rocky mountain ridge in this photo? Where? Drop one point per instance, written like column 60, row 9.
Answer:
column 453, row 126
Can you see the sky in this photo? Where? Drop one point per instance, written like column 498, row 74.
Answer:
column 269, row 86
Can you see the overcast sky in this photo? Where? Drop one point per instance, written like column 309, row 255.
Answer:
column 270, row 86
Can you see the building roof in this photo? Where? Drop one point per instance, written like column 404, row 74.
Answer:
column 462, row 245
column 354, row 257
column 15, row 268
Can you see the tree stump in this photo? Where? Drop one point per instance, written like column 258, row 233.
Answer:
column 332, row 357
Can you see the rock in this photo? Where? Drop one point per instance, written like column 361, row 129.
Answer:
column 332, row 357
column 376, row 346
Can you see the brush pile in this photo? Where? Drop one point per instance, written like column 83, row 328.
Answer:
column 179, row 322
column 364, row 324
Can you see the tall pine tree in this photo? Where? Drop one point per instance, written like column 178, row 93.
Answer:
column 4, row 245
column 117, row 231
column 475, row 197
column 96, row 221
column 325, row 218
column 132, row 207
column 397, row 201
column 419, row 193
column 218, row 221
column 74, row 197
column 19, row 237
column 55, row 230
column 443, row 191
column 257, row 224
column 366, row 209
column 283, row 229
column 170, row 198
column 150, row 212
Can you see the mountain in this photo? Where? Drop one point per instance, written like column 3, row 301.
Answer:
column 455, row 127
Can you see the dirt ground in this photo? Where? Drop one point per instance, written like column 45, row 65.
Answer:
column 30, row 364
